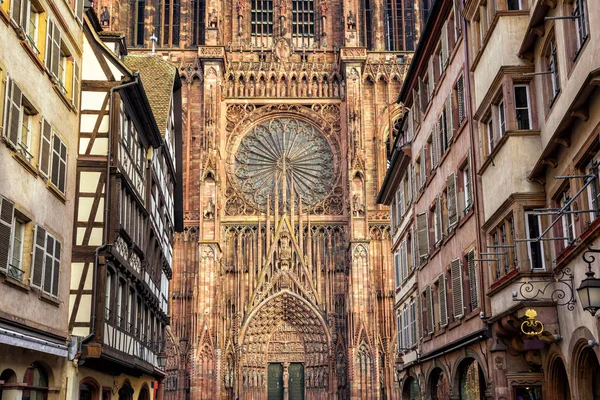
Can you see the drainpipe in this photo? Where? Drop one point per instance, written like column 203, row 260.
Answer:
column 107, row 187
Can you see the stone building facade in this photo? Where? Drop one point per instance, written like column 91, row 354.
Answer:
column 281, row 279
column 40, row 59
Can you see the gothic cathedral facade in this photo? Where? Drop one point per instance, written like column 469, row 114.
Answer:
column 282, row 281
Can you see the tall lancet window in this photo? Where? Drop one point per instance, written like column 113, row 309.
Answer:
column 139, row 12
column 367, row 12
column 262, row 21
column 171, row 18
column 198, row 25
column 303, row 21
column 399, row 25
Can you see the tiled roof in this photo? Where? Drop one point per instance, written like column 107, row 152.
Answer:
column 158, row 78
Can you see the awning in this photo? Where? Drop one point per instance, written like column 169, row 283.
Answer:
column 18, row 339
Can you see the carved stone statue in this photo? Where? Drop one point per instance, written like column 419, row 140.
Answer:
column 351, row 21
column 105, row 17
column 357, row 206
column 241, row 8
column 209, row 212
column 213, row 19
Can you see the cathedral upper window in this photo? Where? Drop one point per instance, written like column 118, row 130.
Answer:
column 262, row 17
column 303, row 19
column 399, row 24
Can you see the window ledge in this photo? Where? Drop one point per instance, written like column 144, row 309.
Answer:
column 67, row 102
column 456, row 323
column 4, row 16
column 25, row 163
column 34, row 57
column 56, row 192
column 49, row 299
column 440, row 331
column 466, row 217
column 16, row 284
column 473, row 313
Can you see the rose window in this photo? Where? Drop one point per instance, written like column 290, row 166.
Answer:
column 284, row 150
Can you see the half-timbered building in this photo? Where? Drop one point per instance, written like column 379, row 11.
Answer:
column 125, row 218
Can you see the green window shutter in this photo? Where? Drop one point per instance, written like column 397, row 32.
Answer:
column 56, row 268
column 7, row 210
column 49, row 264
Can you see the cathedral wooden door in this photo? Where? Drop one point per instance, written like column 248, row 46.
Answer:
column 296, row 382
column 275, row 381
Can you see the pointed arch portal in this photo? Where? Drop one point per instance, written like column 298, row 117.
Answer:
column 285, row 342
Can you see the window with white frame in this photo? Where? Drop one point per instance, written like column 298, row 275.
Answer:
column 553, row 86
column 501, row 118
column 522, row 107
column 413, row 322
column 593, row 189
column 489, row 128
column 397, row 268
column 533, row 230
column 405, row 328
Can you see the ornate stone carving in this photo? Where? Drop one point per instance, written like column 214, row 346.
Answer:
column 284, row 149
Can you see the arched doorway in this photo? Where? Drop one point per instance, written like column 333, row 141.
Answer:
column 559, row 388
column 471, row 381
column 285, row 341
column 144, row 393
column 411, row 389
column 89, row 389
column 126, row 391
column 587, row 372
column 36, row 379
column 9, row 377
column 439, row 386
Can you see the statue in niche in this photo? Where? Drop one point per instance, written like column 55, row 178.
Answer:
column 247, row 88
column 285, row 250
column 252, row 88
column 294, row 88
column 351, row 21
column 336, row 90
column 273, row 89
column 325, row 89
column 283, row 89
column 304, row 88
column 209, row 213
column 230, row 88
column 213, row 19
column 105, row 18
column 315, row 89
column 261, row 88
column 241, row 8
column 357, row 206
column 323, row 7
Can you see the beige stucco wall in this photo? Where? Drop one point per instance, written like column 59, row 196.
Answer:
column 106, row 381
column 501, row 50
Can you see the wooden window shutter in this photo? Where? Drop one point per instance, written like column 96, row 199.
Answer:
column 445, row 44
column 59, row 163
column 49, row 31
column 56, row 271
column 457, row 289
column 430, row 314
column 422, row 95
column 449, row 121
column 399, row 327
column 13, row 115
column 404, row 260
column 457, row 16
column 461, row 99
column 79, row 9
column 411, row 127
column 55, row 60
column 7, row 212
column 420, row 321
column 397, row 268
column 452, row 201
column 76, row 85
column 472, row 279
column 438, row 218
column 422, row 235
column 414, row 181
column 431, row 77
column 442, row 300
column 416, row 106
column 470, row 182
column 423, row 170
column 45, row 148
column 409, row 195
column 39, row 254
column 439, row 126
column 49, row 264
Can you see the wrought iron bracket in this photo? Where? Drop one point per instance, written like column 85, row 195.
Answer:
column 558, row 288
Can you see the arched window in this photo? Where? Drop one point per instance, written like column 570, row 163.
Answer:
column 37, row 383
column 440, row 388
column 411, row 390
column 471, row 381
column 144, row 393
